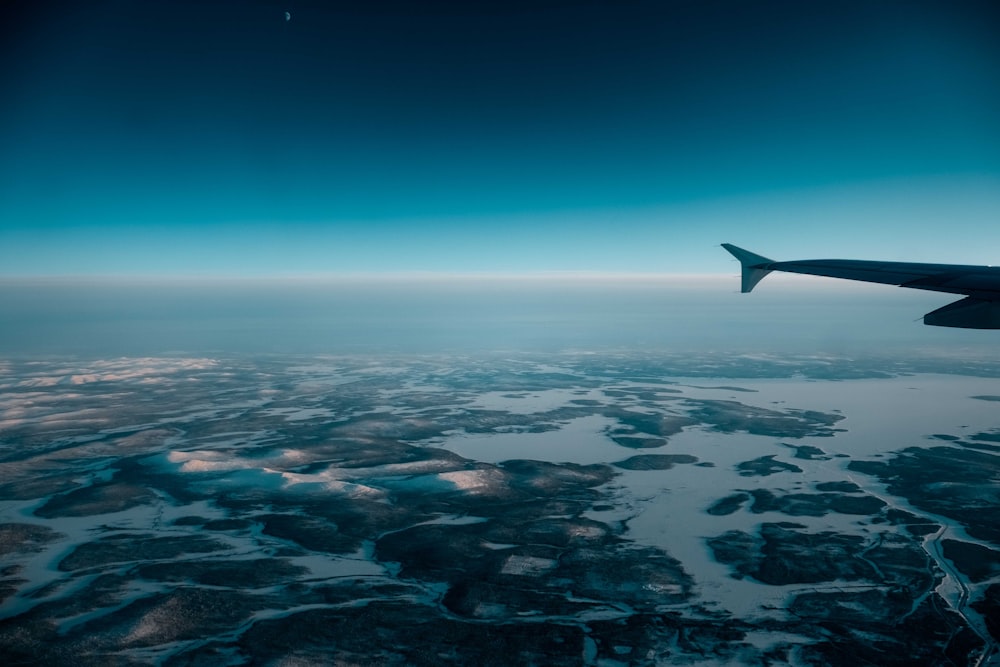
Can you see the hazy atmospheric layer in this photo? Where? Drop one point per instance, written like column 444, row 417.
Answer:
column 428, row 313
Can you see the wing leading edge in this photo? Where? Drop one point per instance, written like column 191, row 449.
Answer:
column 981, row 284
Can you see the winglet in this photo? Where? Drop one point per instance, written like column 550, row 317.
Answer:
column 755, row 267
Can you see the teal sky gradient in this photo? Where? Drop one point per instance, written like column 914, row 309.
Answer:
column 172, row 138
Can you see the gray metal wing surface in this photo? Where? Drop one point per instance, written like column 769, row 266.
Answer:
column 981, row 284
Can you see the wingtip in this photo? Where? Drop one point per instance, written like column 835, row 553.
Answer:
column 753, row 266
column 746, row 257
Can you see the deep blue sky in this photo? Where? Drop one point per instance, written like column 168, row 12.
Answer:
column 193, row 138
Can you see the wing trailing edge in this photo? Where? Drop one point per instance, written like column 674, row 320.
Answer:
column 967, row 313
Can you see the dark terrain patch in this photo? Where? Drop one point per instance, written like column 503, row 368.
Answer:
column 312, row 533
column 190, row 520
column 729, row 504
column 104, row 591
column 25, row 537
column 727, row 388
column 655, row 461
column 764, row 466
column 973, row 560
column 733, row 417
column 498, row 599
column 808, row 452
column 588, row 402
column 38, row 486
column 640, row 430
column 917, row 526
column 99, row 498
column 989, row 607
column 641, row 577
column 839, row 487
column 785, row 554
column 136, row 547
column 183, row 613
column 980, row 446
column 233, row 573
column 814, row 504
column 228, row 524
column 921, row 636
column 555, row 479
column 442, row 552
column 987, row 436
column 360, row 635
column 957, row 483
column 638, row 442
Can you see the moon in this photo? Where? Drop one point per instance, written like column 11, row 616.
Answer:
column 288, row 17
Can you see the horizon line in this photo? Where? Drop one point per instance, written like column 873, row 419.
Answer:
column 375, row 276
column 660, row 280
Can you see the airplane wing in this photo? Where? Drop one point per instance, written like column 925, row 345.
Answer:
column 981, row 284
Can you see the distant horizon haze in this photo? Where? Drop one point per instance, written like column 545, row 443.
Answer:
column 118, row 317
